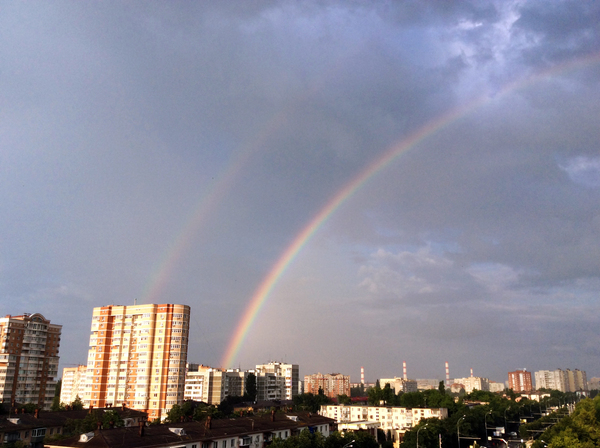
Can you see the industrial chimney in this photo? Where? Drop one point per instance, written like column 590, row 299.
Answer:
column 447, row 375
column 404, row 370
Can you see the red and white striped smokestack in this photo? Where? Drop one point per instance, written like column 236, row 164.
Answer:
column 362, row 375
column 471, row 372
column 447, row 374
column 404, row 370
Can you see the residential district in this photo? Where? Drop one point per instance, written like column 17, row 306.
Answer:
column 137, row 388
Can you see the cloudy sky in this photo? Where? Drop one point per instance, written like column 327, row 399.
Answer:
column 173, row 152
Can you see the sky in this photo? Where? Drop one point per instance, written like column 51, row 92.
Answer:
column 390, row 181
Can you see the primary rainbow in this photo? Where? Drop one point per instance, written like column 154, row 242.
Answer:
column 266, row 286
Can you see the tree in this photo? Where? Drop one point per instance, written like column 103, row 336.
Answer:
column 310, row 402
column 77, row 404
column 175, row 414
column 344, row 399
column 250, row 393
column 112, row 419
column 56, row 400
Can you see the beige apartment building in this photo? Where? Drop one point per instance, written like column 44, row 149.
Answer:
column 212, row 385
column 332, row 385
column 28, row 359
column 73, row 384
column 137, row 356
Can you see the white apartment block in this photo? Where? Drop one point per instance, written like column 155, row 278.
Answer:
column 562, row 380
column 496, row 387
column 276, row 381
column 396, row 419
column 399, row 384
column 138, row 356
column 472, row 383
column 73, row 384
column 28, row 359
column 427, row 384
column 212, row 385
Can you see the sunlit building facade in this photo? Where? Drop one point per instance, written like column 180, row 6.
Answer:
column 73, row 384
column 520, row 381
column 138, row 356
column 395, row 419
column 332, row 385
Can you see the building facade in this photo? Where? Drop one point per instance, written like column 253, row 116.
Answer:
column 562, row 380
column 395, row 419
column 550, row 379
column 472, row 383
column 247, row 432
column 332, row 385
column 73, row 384
column 520, row 381
column 427, row 384
column 212, row 385
column 138, row 356
column 399, row 384
column 276, row 381
column 28, row 359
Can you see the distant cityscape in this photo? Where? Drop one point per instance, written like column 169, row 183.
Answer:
column 138, row 356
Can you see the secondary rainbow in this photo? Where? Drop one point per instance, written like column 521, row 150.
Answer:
column 261, row 294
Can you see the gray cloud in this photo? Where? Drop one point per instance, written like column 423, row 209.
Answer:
column 119, row 123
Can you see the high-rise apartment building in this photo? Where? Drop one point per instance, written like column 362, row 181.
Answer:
column 137, row 356
column 28, row 359
column 576, row 380
column 562, row 380
column 73, row 384
column 276, row 381
column 332, row 385
column 520, row 381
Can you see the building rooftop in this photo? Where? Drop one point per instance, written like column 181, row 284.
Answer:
column 171, row 434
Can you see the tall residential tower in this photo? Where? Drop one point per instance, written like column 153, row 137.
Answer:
column 137, row 356
column 28, row 359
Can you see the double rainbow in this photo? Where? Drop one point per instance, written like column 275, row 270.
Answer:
column 262, row 293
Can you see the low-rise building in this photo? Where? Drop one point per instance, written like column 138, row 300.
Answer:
column 245, row 432
column 33, row 430
column 395, row 419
